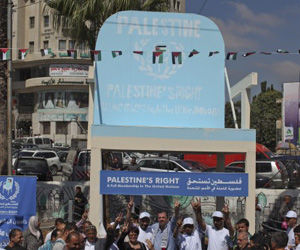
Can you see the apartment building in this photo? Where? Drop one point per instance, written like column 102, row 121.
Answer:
column 50, row 91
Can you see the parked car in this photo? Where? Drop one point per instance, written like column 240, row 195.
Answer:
column 275, row 170
column 33, row 166
column 61, row 146
column 41, row 142
column 51, row 157
column 160, row 164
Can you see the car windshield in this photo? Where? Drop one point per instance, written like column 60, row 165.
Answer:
column 184, row 164
column 21, row 154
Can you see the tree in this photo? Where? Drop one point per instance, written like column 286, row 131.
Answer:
column 82, row 19
column 229, row 122
column 264, row 113
column 3, row 89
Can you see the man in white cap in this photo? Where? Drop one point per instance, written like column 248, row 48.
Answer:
column 145, row 232
column 218, row 236
column 291, row 218
column 189, row 239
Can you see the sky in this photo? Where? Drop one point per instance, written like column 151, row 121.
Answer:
column 257, row 25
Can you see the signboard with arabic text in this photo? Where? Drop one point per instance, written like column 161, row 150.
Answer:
column 17, row 204
column 173, row 183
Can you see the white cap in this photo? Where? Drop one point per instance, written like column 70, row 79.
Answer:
column 217, row 214
column 291, row 214
column 113, row 223
column 144, row 215
column 188, row 221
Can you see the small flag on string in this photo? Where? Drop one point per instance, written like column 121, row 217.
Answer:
column 159, row 55
column 96, row 55
column 193, row 52
column 280, row 51
column 138, row 52
column 266, row 53
column 249, row 53
column 4, row 54
column 211, row 53
column 22, row 53
column 72, row 53
column 45, row 52
column 161, row 48
column 116, row 53
column 231, row 56
column 176, row 58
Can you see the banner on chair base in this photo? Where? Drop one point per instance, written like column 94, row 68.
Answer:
column 173, row 183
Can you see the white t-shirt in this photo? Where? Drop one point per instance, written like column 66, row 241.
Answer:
column 291, row 236
column 189, row 242
column 89, row 246
column 144, row 235
column 298, row 247
column 217, row 239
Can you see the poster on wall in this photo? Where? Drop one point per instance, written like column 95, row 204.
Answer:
column 63, row 99
column 291, row 98
column 17, row 204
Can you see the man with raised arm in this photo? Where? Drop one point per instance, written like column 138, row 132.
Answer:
column 218, row 236
column 190, row 237
column 163, row 230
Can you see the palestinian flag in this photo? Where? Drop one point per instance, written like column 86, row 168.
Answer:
column 193, row 52
column 231, row 56
column 211, row 53
column 280, row 51
column 249, row 53
column 176, row 58
column 266, row 53
column 22, row 53
column 138, row 52
column 45, row 52
column 96, row 55
column 4, row 54
column 161, row 48
column 159, row 55
column 72, row 53
column 116, row 53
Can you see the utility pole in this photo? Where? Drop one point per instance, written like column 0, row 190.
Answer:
column 9, row 87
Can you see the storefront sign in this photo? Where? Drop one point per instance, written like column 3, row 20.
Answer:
column 17, row 204
column 173, row 183
column 68, row 70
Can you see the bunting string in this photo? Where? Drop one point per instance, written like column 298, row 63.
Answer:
column 157, row 55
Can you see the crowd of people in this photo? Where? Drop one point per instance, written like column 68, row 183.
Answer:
column 168, row 233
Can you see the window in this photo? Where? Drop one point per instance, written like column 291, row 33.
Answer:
column 31, row 22
column 71, row 44
column 38, row 141
column 46, row 128
column 84, row 127
column 46, row 44
column 62, row 45
column 178, row 6
column 263, row 167
column 62, row 128
column 31, row 47
column 46, row 21
column 30, row 141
